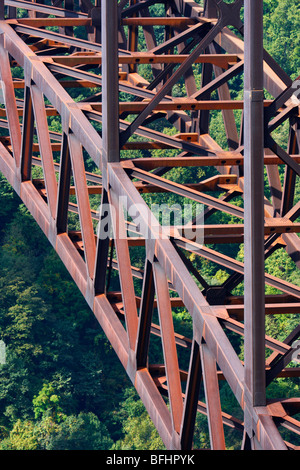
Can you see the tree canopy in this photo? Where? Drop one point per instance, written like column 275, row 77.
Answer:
column 62, row 386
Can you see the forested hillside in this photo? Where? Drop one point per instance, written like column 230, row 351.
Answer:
column 62, row 386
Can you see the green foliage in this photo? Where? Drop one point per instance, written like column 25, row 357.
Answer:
column 81, row 432
column 21, row 437
column 9, row 202
column 282, row 33
column 139, row 431
column 62, row 387
column 47, row 401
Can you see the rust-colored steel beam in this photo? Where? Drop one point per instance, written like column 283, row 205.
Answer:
column 111, row 122
column 254, row 277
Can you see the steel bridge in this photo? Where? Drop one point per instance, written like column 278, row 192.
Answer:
column 113, row 74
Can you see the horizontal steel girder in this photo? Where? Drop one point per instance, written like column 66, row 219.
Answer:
column 109, row 156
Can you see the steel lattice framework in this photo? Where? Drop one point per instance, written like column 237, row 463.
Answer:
column 110, row 124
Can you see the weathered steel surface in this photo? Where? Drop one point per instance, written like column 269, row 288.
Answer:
column 95, row 128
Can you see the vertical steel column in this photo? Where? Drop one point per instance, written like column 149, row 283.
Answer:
column 254, row 210
column 110, row 80
column 110, row 122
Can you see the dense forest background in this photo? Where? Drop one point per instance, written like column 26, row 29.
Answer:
column 62, row 386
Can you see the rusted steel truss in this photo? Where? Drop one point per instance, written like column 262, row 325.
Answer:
column 90, row 173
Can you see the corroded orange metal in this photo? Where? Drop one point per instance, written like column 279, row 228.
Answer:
column 96, row 132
